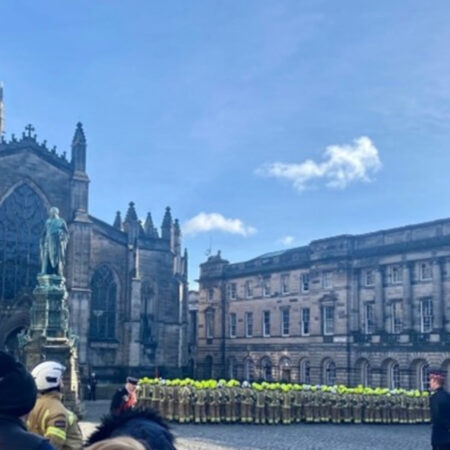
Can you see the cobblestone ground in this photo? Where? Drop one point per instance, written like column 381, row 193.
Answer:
column 290, row 437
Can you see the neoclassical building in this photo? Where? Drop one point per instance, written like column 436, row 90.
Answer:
column 127, row 281
column 371, row 309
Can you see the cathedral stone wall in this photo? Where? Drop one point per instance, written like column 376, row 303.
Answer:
column 123, row 284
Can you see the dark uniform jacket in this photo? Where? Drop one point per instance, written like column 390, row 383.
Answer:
column 440, row 417
column 120, row 398
column 14, row 436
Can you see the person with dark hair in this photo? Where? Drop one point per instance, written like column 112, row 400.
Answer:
column 125, row 397
column 50, row 418
column 143, row 425
column 440, row 411
column 17, row 398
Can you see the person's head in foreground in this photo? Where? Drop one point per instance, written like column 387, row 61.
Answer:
column 18, row 395
column 119, row 443
column 437, row 379
column 141, row 424
column 17, row 389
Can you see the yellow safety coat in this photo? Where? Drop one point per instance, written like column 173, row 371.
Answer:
column 51, row 419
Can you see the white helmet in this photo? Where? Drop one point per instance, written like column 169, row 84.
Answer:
column 48, row 375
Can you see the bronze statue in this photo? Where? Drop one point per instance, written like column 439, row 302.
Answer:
column 53, row 244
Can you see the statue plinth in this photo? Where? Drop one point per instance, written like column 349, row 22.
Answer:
column 49, row 313
column 48, row 336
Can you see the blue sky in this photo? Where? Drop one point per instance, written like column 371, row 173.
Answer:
column 213, row 107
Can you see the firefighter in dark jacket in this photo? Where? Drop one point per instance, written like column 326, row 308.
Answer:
column 125, row 397
column 440, row 411
column 17, row 397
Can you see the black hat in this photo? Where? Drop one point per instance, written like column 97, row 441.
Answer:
column 17, row 387
column 132, row 380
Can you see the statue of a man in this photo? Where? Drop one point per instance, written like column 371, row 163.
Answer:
column 53, row 244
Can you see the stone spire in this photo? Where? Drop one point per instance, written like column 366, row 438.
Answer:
column 131, row 214
column 149, row 227
column 79, row 149
column 166, row 227
column 176, row 228
column 2, row 112
column 132, row 225
column 118, row 221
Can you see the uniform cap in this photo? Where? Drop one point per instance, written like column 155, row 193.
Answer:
column 132, row 380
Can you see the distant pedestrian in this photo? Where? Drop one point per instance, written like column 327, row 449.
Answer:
column 93, row 387
column 440, row 411
column 17, row 397
column 125, row 398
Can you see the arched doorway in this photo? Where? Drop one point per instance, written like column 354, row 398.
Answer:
column 208, row 366
column 266, row 369
column 305, row 371
column 285, row 369
column 12, row 343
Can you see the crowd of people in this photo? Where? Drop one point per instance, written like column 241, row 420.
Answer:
column 222, row 401
column 33, row 416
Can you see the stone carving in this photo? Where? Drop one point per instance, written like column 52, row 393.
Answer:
column 53, row 244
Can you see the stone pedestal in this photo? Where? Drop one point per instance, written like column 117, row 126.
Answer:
column 48, row 337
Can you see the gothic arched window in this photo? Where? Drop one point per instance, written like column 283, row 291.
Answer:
column 103, row 304
column 22, row 219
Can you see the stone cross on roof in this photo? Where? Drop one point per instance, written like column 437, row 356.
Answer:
column 29, row 128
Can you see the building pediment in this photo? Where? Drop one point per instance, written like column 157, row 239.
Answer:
column 28, row 144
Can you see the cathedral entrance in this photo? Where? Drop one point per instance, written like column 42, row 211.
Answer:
column 12, row 343
column 22, row 217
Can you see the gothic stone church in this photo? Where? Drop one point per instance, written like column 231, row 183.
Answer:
column 127, row 282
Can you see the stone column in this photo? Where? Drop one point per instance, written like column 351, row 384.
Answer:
column 379, row 298
column 134, row 323
column 354, row 300
column 438, row 307
column 407, row 298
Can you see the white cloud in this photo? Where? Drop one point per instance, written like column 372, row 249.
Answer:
column 341, row 165
column 204, row 222
column 286, row 240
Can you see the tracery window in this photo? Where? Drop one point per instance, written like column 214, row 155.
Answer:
column 103, row 304
column 22, row 218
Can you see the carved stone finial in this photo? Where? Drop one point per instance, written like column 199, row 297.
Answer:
column 118, row 221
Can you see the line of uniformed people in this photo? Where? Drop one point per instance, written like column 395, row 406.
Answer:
column 189, row 401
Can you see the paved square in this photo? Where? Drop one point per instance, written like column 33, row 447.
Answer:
column 289, row 437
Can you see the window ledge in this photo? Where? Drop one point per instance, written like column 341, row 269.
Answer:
column 107, row 343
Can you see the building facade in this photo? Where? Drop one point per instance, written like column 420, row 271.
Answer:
column 370, row 309
column 127, row 281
